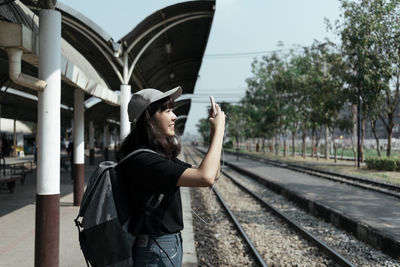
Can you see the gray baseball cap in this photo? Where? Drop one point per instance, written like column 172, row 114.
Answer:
column 143, row 98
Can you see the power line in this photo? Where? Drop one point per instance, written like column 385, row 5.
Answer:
column 208, row 102
column 255, row 53
column 217, row 94
column 219, row 98
column 246, row 54
column 200, row 90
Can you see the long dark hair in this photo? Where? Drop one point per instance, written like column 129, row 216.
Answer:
column 146, row 135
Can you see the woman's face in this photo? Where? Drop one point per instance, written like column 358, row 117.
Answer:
column 165, row 121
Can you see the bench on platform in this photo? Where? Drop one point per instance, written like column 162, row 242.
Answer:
column 10, row 181
column 10, row 173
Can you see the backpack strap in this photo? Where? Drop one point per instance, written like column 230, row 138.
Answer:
column 135, row 152
column 153, row 203
column 105, row 168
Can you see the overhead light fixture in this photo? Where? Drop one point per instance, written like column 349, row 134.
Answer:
column 117, row 48
column 172, row 76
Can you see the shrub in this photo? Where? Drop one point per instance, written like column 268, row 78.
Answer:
column 228, row 144
column 383, row 163
column 371, row 163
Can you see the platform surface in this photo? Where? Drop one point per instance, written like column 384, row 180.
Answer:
column 17, row 224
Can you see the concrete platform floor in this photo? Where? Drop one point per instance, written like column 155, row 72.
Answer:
column 17, row 224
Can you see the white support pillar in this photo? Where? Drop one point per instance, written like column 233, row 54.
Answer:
column 47, row 234
column 79, row 145
column 79, row 127
column 125, row 97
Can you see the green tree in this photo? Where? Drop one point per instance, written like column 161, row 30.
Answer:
column 264, row 102
column 203, row 127
column 301, row 65
column 370, row 42
column 327, row 94
column 234, row 123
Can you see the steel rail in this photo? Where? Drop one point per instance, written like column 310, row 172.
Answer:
column 315, row 240
column 256, row 253
column 319, row 243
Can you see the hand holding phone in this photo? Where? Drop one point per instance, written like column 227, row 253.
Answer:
column 214, row 110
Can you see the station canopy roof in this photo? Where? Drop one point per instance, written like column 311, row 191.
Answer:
column 7, row 126
column 166, row 49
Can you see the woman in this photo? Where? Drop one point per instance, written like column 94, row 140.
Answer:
column 158, row 239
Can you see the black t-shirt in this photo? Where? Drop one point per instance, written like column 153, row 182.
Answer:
column 147, row 174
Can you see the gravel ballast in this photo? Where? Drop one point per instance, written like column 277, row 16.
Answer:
column 218, row 242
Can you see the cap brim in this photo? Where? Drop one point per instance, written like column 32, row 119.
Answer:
column 173, row 94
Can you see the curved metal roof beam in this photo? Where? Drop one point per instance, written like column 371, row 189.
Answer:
column 84, row 31
column 132, row 45
column 158, row 35
column 95, row 40
column 85, row 20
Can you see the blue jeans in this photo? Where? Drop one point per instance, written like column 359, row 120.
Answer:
column 148, row 253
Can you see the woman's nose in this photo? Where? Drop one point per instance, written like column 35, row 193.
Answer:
column 173, row 116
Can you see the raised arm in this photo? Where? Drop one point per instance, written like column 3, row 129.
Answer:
column 208, row 170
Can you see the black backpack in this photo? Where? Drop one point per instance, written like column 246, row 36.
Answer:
column 103, row 229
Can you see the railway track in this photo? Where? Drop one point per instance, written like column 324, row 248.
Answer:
column 330, row 252
column 369, row 184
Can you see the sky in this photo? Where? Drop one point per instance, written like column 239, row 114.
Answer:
column 242, row 30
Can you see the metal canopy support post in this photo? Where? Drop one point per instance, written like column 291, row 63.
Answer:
column 91, row 143
column 79, row 146
column 47, row 228
column 125, row 97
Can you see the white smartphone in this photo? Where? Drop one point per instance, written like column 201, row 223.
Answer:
column 213, row 105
